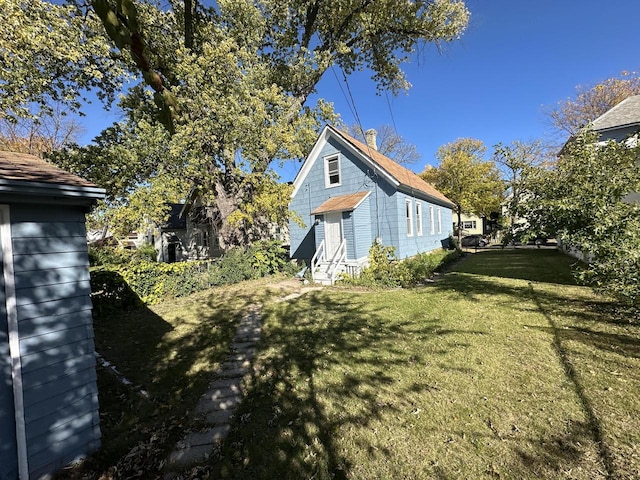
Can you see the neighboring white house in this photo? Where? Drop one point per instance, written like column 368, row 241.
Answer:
column 621, row 123
column 471, row 224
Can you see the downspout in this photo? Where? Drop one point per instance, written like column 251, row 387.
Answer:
column 14, row 340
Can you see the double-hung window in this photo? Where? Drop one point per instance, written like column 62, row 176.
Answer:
column 418, row 218
column 439, row 221
column 409, row 216
column 431, row 222
column 332, row 171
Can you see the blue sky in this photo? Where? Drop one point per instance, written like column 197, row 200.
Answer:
column 516, row 57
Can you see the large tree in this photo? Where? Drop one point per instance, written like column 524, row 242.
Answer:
column 470, row 182
column 232, row 83
column 518, row 163
column 581, row 200
column 52, row 55
column 591, row 101
column 39, row 136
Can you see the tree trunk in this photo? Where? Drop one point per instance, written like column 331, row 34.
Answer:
column 227, row 203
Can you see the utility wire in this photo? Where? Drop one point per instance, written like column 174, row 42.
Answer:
column 355, row 115
column 393, row 120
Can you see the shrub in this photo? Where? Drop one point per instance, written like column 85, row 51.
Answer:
column 269, row 257
column 125, row 285
column 107, row 255
column 234, row 267
column 147, row 252
column 110, row 292
column 386, row 271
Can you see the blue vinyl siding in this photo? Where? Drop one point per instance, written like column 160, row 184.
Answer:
column 408, row 246
column 348, row 232
column 56, row 334
column 363, row 237
column 355, row 176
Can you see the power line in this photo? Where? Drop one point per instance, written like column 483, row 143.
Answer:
column 343, row 92
column 393, row 120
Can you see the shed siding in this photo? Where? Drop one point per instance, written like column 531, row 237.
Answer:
column 55, row 326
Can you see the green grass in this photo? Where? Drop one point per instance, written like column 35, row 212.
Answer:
column 501, row 369
column 171, row 350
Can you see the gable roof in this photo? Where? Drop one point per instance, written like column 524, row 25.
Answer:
column 341, row 203
column 395, row 173
column 175, row 221
column 624, row 114
column 24, row 173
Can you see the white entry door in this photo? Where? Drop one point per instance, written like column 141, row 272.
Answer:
column 332, row 232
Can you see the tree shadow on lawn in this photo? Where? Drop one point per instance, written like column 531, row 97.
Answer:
column 544, row 265
column 596, row 322
column 318, row 374
column 172, row 351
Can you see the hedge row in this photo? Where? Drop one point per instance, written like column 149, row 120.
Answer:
column 124, row 286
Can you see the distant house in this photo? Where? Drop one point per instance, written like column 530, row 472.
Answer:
column 621, row 123
column 48, row 393
column 474, row 224
column 187, row 234
column 348, row 195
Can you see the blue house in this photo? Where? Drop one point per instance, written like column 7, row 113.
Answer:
column 48, row 392
column 347, row 195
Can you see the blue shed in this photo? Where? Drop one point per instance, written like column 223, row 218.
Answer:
column 48, row 391
column 349, row 195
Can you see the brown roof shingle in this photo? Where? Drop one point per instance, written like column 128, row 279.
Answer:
column 24, row 167
column 402, row 175
column 341, row 203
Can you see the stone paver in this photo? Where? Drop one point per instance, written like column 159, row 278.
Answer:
column 217, row 406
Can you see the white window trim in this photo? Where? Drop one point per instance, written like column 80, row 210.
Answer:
column 439, row 221
column 14, row 340
column 326, row 160
column 408, row 215
column 469, row 225
column 418, row 219
column 431, row 220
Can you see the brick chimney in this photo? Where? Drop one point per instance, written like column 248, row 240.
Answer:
column 370, row 135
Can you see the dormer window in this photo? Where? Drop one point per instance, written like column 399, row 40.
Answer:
column 332, row 170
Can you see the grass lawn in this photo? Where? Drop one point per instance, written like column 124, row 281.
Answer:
column 501, row 369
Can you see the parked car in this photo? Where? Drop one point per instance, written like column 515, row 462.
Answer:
column 476, row 240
